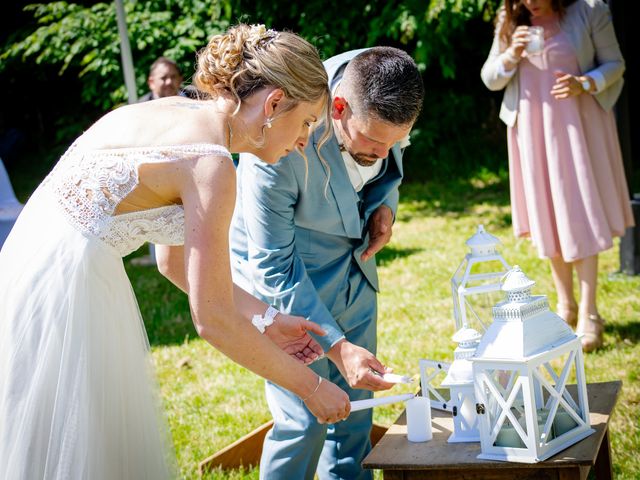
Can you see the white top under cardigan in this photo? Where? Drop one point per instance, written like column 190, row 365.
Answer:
column 588, row 27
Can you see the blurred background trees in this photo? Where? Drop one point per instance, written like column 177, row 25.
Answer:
column 60, row 65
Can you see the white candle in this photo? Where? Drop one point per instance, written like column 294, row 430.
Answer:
column 542, row 414
column 563, row 422
column 395, row 378
column 508, row 437
column 419, row 420
column 376, row 402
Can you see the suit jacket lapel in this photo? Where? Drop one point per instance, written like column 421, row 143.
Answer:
column 340, row 187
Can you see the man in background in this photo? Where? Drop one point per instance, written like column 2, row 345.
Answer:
column 164, row 80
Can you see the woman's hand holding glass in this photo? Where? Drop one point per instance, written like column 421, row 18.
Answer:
column 519, row 41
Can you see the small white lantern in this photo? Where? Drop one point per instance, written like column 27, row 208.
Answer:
column 432, row 372
column 459, row 379
column 521, row 370
column 469, row 287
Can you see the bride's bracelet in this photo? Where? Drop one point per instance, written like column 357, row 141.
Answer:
column 314, row 391
column 262, row 322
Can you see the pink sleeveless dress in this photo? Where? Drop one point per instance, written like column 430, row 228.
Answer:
column 568, row 188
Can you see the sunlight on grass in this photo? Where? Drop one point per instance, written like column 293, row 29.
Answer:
column 210, row 401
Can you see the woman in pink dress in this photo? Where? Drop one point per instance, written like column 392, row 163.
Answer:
column 568, row 188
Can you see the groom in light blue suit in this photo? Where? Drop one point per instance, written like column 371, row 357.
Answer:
column 304, row 238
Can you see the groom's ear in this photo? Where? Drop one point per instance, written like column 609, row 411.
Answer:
column 337, row 107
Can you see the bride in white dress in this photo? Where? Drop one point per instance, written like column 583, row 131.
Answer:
column 77, row 398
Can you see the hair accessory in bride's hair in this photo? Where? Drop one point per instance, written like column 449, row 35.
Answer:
column 260, row 36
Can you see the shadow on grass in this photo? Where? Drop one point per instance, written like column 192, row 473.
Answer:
column 629, row 331
column 390, row 253
column 454, row 196
column 164, row 308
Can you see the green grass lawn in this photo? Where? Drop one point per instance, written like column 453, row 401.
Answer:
column 210, row 401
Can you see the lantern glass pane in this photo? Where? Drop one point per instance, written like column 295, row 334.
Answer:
column 506, row 412
column 508, row 436
column 479, row 309
column 553, row 399
column 563, row 422
column 494, row 266
column 467, row 411
column 432, row 374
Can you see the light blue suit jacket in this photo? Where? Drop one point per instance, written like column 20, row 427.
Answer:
column 296, row 240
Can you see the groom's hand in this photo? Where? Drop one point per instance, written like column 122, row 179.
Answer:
column 360, row 368
column 291, row 334
column 380, row 226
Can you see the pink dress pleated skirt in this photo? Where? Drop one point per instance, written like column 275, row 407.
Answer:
column 568, row 187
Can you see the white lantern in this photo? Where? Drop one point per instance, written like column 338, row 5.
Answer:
column 432, row 374
column 459, row 379
column 477, row 276
column 521, row 370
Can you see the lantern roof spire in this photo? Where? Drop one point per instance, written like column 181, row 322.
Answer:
column 523, row 325
column 515, row 280
column 482, row 239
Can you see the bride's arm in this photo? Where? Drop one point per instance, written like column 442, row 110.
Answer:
column 171, row 264
column 207, row 190
column 289, row 332
column 170, row 260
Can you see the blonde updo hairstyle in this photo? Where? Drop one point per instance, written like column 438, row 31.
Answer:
column 248, row 58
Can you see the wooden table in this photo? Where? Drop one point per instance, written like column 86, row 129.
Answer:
column 439, row 460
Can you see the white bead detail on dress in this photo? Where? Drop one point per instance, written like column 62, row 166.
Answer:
column 89, row 186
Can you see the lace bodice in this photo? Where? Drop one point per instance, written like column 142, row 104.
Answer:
column 89, row 185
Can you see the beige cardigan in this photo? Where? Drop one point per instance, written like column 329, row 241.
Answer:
column 588, row 27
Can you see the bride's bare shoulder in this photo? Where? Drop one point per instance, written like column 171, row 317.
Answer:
column 166, row 121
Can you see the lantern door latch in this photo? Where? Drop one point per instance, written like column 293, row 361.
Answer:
column 480, row 408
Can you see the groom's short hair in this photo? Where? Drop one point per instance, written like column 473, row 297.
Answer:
column 384, row 82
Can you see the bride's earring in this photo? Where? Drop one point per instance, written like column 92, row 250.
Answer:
column 261, row 140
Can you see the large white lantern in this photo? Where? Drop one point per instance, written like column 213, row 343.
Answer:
column 459, row 379
column 477, row 276
column 521, row 370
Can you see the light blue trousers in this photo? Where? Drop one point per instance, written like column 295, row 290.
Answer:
column 298, row 445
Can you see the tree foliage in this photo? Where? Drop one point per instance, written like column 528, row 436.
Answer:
column 426, row 29
column 85, row 38
column 448, row 38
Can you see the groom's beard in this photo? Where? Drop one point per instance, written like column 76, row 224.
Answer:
column 363, row 159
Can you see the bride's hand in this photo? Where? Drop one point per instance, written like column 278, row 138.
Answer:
column 291, row 334
column 329, row 403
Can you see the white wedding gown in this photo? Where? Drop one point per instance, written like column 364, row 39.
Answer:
column 77, row 395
